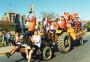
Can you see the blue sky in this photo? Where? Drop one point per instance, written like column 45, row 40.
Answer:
column 57, row 6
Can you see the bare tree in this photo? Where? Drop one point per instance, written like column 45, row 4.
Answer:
column 45, row 14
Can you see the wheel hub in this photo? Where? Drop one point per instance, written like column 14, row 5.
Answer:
column 48, row 53
column 66, row 43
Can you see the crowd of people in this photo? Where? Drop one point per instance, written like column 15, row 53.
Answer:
column 64, row 22
column 48, row 25
column 6, row 37
column 31, row 33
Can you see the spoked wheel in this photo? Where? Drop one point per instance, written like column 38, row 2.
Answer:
column 64, row 43
column 47, row 53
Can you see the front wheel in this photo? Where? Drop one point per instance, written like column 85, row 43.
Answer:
column 47, row 53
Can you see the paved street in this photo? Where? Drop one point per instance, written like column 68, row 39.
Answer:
column 77, row 54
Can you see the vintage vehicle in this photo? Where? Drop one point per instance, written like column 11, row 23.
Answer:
column 65, row 39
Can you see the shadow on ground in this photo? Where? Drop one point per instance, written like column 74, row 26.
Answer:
column 77, row 43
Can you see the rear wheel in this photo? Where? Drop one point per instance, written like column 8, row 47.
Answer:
column 64, row 43
column 47, row 53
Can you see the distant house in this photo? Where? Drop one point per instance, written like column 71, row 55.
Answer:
column 8, row 16
column 8, row 20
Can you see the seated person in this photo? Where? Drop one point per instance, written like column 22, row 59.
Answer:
column 15, row 47
column 36, row 41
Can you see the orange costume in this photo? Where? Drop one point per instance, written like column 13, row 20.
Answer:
column 32, row 24
column 63, row 23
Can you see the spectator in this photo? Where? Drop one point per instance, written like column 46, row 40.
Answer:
column 63, row 23
column 4, row 37
column 8, row 37
column 83, row 25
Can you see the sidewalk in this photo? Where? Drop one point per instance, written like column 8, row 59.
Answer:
column 87, row 33
column 4, row 50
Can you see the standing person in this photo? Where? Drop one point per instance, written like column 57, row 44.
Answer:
column 31, row 28
column 38, row 26
column 63, row 23
column 52, row 32
column 8, row 37
column 56, row 24
column 59, row 23
column 71, row 21
column 83, row 25
column 4, row 36
column 44, row 23
column 77, row 25
column 17, row 23
column 31, row 24
column 48, row 28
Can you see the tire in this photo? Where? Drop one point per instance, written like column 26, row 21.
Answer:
column 81, row 41
column 47, row 53
column 62, row 43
